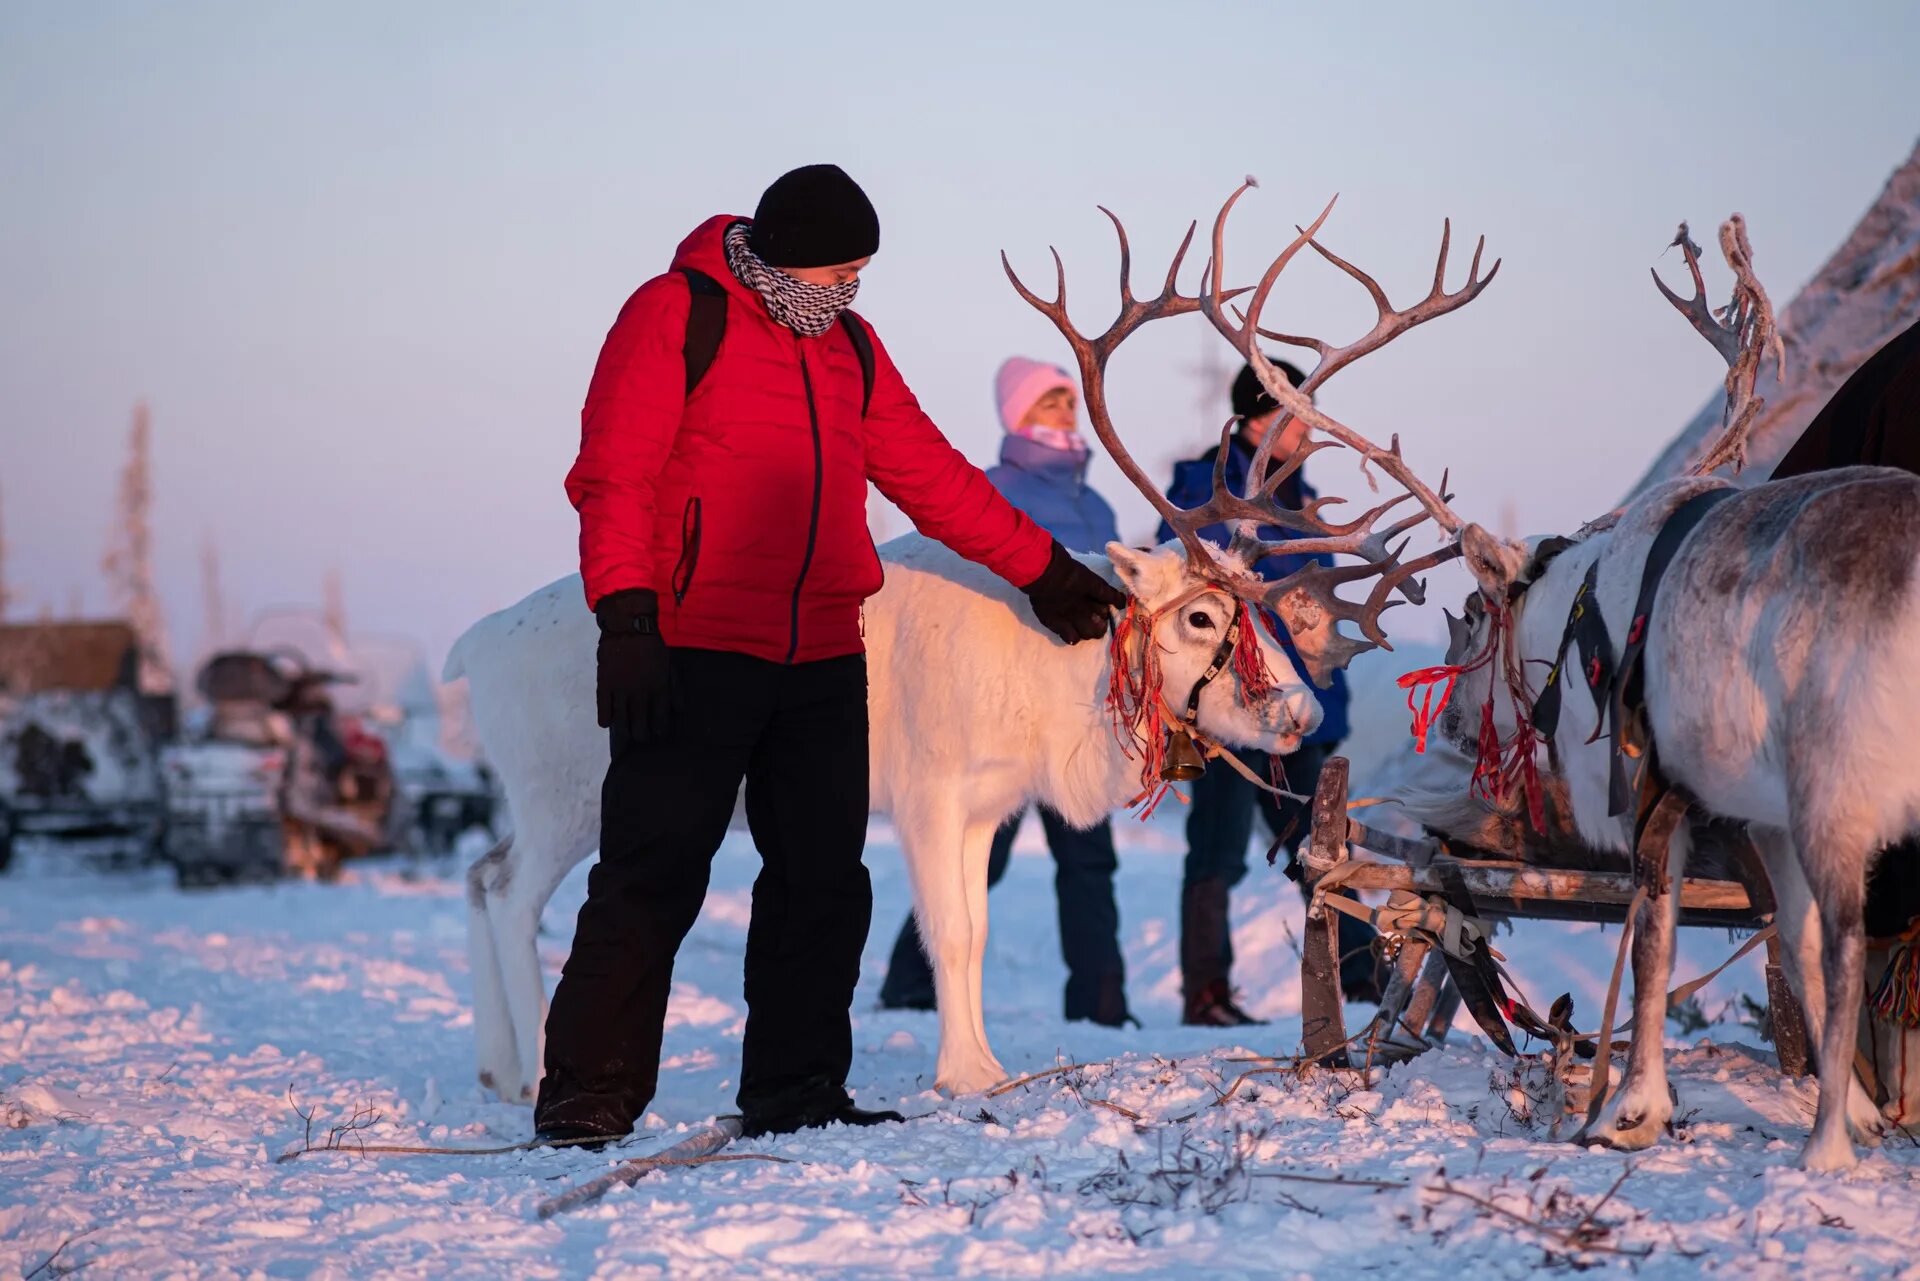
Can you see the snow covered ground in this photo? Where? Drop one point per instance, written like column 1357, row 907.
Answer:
column 154, row 1046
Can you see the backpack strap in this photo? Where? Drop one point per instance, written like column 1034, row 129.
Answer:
column 863, row 350
column 706, row 324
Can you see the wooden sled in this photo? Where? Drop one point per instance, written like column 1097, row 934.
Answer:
column 1420, row 1000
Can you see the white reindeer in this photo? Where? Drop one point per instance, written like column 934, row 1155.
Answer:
column 1782, row 684
column 975, row 711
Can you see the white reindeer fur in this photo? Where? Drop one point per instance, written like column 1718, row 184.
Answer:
column 1791, row 708
column 975, row 712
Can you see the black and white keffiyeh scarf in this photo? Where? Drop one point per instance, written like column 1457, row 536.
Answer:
column 808, row 310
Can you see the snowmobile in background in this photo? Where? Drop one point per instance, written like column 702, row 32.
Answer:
column 441, row 798
column 274, row 783
column 79, row 742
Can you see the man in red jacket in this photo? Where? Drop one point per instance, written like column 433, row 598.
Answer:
column 724, row 546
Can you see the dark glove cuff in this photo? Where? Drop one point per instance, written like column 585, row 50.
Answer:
column 1059, row 565
column 634, row 609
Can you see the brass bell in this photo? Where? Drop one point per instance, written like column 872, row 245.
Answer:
column 1183, row 762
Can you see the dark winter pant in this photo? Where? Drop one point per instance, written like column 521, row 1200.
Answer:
column 1084, row 865
column 798, row 735
column 1219, row 829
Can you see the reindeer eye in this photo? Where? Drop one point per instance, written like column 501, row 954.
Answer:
column 1200, row 620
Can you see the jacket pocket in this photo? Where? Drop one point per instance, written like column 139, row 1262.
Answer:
column 682, row 581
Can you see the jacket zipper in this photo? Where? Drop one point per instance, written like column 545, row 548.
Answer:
column 813, row 519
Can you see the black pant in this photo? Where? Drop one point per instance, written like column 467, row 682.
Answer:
column 1219, row 827
column 1084, row 864
column 798, row 735
column 1220, row 822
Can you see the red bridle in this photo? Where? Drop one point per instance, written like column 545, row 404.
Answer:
column 1136, row 696
column 1499, row 767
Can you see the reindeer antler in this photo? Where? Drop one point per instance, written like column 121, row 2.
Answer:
column 1306, row 600
column 1092, row 355
column 1744, row 332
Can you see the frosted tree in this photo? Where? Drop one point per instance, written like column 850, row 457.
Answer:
column 129, row 560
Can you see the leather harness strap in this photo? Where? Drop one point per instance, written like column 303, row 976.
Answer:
column 1473, row 970
column 1586, row 630
column 1626, row 694
column 1664, row 805
column 1222, row 655
column 1619, row 688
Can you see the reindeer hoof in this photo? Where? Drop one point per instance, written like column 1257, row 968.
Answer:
column 490, row 1082
column 1628, row 1134
column 1828, row 1157
column 1630, row 1125
column 1865, row 1122
column 970, row 1080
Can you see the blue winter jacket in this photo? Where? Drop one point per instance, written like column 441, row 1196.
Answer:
column 1192, row 486
column 1050, row 485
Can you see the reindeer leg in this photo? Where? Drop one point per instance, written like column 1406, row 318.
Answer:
column 515, row 912
column 1637, row 1115
column 499, row 1059
column 1802, row 939
column 1834, row 861
column 933, row 839
column 975, row 854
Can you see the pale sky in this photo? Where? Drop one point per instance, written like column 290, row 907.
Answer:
column 359, row 257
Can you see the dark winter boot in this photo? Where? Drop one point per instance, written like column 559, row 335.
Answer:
column 571, row 1115
column 559, row 1134
column 753, row 1126
column 1203, row 938
column 909, row 981
column 1205, row 945
column 1214, row 1006
column 1108, row 1007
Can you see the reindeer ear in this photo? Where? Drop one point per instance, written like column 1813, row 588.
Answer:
column 1495, row 563
column 1459, row 635
column 1142, row 573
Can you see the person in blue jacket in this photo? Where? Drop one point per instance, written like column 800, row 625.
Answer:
column 1043, row 471
column 1220, row 821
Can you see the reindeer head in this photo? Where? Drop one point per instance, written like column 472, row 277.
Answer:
column 1485, row 696
column 1188, row 620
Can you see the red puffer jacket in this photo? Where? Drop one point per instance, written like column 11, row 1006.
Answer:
column 745, row 505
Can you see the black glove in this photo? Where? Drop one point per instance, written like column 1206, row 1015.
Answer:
column 1072, row 601
column 631, row 681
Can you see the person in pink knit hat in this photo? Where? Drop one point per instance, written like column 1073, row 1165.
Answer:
column 1043, row 471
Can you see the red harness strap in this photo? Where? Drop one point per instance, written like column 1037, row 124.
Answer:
column 1500, row 768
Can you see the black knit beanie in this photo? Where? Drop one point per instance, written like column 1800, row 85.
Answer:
column 814, row 216
column 1250, row 398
